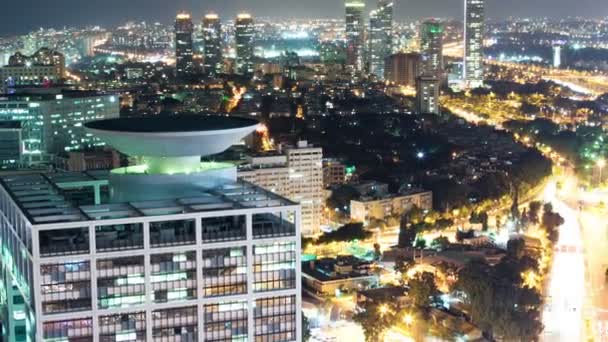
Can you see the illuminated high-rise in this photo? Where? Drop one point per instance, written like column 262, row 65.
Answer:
column 184, row 61
column 173, row 249
column 473, row 43
column 212, row 38
column 380, row 36
column 431, row 46
column 244, row 37
column 354, row 32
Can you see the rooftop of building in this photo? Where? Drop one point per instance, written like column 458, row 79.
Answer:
column 47, row 198
column 49, row 94
column 176, row 123
column 341, row 267
column 382, row 196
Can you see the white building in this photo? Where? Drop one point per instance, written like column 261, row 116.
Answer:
column 427, row 95
column 297, row 174
column 382, row 207
column 150, row 252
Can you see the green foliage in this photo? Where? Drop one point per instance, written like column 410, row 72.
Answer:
column 305, row 328
column 499, row 304
column 375, row 321
column 341, row 197
column 346, row 233
column 422, row 289
column 407, row 233
column 440, row 243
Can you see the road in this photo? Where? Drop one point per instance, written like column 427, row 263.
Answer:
column 595, row 234
column 563, row 314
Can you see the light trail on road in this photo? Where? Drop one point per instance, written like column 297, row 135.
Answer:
column 563, row 313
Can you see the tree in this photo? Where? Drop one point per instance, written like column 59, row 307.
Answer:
column 422, row 288
column 440, row 243
column 420, row 243
column 533, row 211
column 346, row 233
column 407, row 233
column 403, row 264
column 551, row 221
column 341, row 197
column 516, row 248
column 305, row 328
column 375, row 319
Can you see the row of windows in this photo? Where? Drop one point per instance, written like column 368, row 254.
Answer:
column 162, row 234
column 173, row 277
column 275, row 320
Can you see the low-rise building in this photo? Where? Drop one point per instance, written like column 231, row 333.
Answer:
column 381, row 207
column 329, row 276
column 334, row 172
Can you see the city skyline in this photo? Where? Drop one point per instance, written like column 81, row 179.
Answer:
column 33, row 14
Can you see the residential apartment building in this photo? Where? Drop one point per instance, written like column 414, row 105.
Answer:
column 296, row 174
column 381, row 207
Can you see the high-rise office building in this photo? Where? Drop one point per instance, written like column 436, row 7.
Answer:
column 431, row 46
column 244, row 37
column 296, row 174
column 355, row 30
column 170, row 250
column 184, row 54
column 402, row 68
column 473, row 43
column 427, row 95
column 52, row 123
column 212, row 41
column 380, row 36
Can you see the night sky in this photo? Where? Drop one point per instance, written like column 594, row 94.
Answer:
column 24, row 15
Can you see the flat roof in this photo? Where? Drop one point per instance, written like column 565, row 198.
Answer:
column 43, row 198
column 172, row 123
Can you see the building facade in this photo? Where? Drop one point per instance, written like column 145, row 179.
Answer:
column 473, row 43
column 52, row 122
column 431, row 46
column 105, row 256
column 334, row 173
column 380, row 208
column 212, row 40
column 244, row 38
column 44, row 67
column 427, row 95
column 184, row 53
column 380, row 40
column 297, row 175
column 403, row 68
column 355, row 31
column 10, row 144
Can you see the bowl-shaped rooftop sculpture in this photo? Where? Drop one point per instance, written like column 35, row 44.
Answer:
column 172, row 136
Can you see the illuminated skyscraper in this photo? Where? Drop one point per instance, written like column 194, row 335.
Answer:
column 431, row 45
column 212, row 37
column 184, row 63
column 380, row 36
column 473, row 43
column 244, row 36
column 354, row 32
